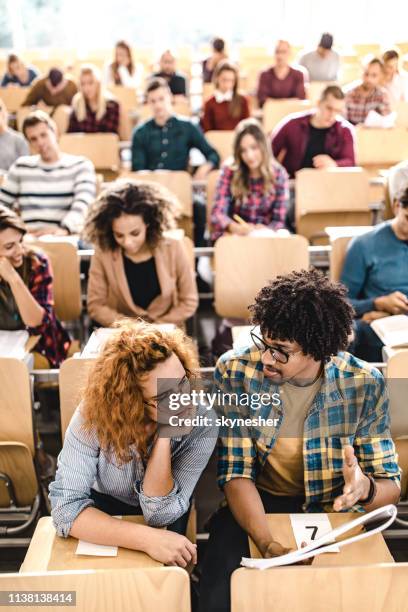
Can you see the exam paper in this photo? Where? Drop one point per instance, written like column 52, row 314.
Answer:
column 96, row 550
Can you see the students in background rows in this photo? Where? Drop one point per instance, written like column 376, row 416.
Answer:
column 165, row 142
column 281, row 80
column 53, row 90
column 330, row 449
column 395, row 79
column 227, row 107
column 51, row 189
column 368, row 95
column 136, row 271
column 118, row 458
column 26, row 294
column 123, row 70
column 12, row 143
column 253, row 185
column 375, row 273
column 167, row 71
column 323, row 63
column 319, row 138
column 93, row 109
column 18, row 73
column 218, row 55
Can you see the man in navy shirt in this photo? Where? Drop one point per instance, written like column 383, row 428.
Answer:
column 376, row 275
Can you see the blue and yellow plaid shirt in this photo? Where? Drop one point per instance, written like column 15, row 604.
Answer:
column 351, row 407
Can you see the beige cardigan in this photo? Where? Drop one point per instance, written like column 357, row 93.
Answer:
column 109, row 296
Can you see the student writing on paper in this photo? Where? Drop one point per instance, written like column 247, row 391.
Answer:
column 116, row 462
column 26, row 295
column 331, row 449
column 375, row 273
column 252, row 185
column 136, row 271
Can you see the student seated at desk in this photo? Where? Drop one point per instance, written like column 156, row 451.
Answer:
column 254, row 186
column 26, row 297
column 227, row 107
column 18, row 74
column 330, row 448
column 375, row 273
column 116, row 458
column 135, row 271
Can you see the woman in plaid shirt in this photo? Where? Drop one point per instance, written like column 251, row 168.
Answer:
column 26, row 297
column 93, row 110
column 254, row 186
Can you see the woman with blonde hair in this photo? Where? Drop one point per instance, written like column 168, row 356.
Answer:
column 253, row 186
column 227, row 107
column 118, row 457
column 136, row 270
column 93, row 109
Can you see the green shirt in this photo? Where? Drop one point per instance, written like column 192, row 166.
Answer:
column 167, row 147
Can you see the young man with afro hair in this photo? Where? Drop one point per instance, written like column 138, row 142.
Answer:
column 329, row 448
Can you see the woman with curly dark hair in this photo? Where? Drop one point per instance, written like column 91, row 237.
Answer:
column 118, row 457
column 136, row 271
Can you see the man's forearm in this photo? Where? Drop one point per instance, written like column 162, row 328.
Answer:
column 246, row 505
column 388, row 492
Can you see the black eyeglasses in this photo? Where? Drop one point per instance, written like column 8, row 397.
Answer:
column 276, row 353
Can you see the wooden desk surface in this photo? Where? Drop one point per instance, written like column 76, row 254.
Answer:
column 368, row 551
column 49, row 552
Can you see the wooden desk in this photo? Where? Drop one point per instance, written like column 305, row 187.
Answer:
column 370, row 550
column 49, row 552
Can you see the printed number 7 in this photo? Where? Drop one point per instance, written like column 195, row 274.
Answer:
column 314, row 531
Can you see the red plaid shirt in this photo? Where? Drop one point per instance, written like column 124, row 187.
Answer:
column 258, row 207
column 108, row 123
column 54, row 342
column 358, row 105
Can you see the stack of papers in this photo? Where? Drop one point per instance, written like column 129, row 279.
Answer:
column 323, row 543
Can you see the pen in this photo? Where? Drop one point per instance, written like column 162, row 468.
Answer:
column 239, row 220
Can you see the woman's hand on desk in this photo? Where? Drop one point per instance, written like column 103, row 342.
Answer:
column 171, row 548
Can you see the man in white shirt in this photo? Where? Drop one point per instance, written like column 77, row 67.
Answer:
column 51, row 189
column 323, row 63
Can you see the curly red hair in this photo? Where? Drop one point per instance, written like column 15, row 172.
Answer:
column 113, row 403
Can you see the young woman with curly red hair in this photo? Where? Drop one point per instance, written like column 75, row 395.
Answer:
column 114, row 460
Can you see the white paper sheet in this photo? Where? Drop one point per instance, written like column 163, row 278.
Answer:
column 12, row 343
column 96, row 550
column 310, row 527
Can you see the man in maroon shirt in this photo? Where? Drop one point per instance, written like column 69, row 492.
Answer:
column 319, row 138
column 281, row 80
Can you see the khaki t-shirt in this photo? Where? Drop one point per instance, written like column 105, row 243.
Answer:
column 282, row 473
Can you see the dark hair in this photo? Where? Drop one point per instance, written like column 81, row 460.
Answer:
column 235, row 106
column 11, row 58
column 307, row 308
column 403, row 200
column 156, row 83
column 218, row 44
column 375, row 60
column 36, row 117
column 115, row 66
column 390, row 55
column 9, row 219
column 55, row 76
column 332, row 90
column 154, row 203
